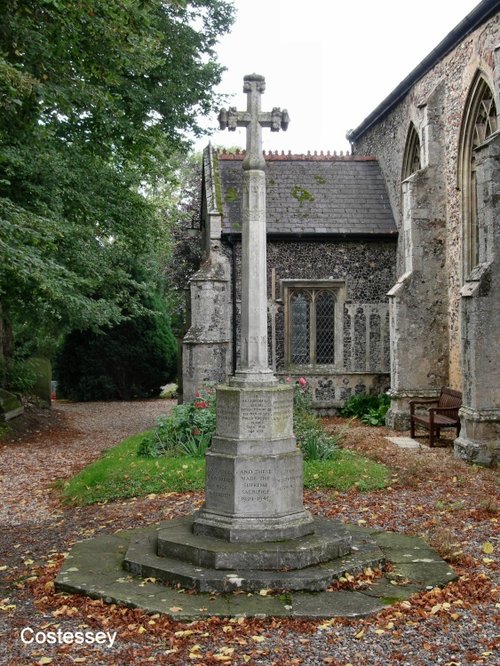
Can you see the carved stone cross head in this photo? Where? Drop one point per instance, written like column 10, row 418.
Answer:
column 254, row 120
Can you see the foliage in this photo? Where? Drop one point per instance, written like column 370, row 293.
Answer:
column 96, row 98
column 186, row 431
column 132, row 359
column 314, row 442
column 189, row 429
column 376, row 415
column 169, row 391
column 18, row 375
column 121, row 472
column 370, row 408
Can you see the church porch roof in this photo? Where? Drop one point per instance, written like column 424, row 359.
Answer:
column 311, row 194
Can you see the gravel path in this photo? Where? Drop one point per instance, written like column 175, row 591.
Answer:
column 80, row 433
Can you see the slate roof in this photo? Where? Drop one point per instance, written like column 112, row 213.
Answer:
column 311, row 194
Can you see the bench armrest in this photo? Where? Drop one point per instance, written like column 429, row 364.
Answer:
column 427, row 401
column 452, row 412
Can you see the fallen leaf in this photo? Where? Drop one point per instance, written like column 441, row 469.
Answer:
column 488, row 548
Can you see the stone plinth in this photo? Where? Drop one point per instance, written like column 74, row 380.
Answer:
column 10, row 405
column 175, row 555
column 254, row 470
column 329, row 541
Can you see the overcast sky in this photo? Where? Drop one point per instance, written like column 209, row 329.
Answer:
column 330, row 63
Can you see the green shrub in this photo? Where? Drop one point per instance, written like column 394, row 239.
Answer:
column 17, row 374
column 189, row 428
column 371, row 409
column 186, row 431
column 314, row 442
column 130, row 360
column 376, row 415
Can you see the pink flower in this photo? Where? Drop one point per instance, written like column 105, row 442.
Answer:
column 197, row 394
column 288, row 380
column 302, row 382
column 201, row 405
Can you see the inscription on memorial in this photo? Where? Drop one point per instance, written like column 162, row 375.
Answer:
column 227, row 420
column 220, row 485
column 255, row 414
column 288, row 482
column 282, row 415
column 255, row 486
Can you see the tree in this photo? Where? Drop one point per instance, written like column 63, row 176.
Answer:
column 132, row 359
column 96, row 100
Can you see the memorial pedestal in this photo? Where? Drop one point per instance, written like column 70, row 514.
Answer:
column 254, row 470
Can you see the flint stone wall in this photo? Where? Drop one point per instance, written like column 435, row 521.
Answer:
column 386, row 140
column 368, row 269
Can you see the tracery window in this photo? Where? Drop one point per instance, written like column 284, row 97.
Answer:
column 480, row 122
column 313, row 321
column 411, row 160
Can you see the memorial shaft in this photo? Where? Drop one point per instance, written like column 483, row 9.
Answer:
column 254, row 470
column 253, row 367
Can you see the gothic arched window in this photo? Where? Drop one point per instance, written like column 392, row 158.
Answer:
column 479, row 122
column 411, row 159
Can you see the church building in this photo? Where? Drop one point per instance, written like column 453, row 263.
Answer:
column 383, row 265
column 437, row 143
column 331, row 258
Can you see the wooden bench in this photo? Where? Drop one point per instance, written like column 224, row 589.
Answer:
column 444, row 415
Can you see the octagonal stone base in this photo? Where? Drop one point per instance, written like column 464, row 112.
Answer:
column 175, row 555
column 95, row 567
column 330, row 540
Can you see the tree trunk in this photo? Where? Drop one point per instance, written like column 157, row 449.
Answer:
column 6, row 345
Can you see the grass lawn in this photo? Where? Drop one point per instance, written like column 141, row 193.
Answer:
column 121, row 473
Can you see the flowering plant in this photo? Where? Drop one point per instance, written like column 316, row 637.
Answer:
column 187, row 430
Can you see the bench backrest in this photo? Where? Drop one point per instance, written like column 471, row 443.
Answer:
column 450, row 399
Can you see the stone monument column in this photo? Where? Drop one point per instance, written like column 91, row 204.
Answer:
column 254, row 470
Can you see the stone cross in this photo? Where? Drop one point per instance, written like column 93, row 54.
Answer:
column 253, row 367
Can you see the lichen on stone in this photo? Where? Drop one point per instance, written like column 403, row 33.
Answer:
column 301, row 194
column 231, row 195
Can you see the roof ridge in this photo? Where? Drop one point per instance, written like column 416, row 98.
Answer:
column 275, row 156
